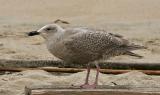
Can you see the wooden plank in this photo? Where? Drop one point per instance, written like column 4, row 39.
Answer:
column 100, row 90
column 91, row 92
column 75, row 70
column 103, row 65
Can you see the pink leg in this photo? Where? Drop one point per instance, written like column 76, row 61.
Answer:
column 86, row 85
column 97, row 75
column 87, row 77
column 88, row 72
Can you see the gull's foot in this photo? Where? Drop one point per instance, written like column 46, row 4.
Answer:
column 88, row 86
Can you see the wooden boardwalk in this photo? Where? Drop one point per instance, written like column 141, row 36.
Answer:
column 100, row 90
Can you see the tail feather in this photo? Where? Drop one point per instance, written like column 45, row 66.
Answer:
column 135, row 47
column 133, row 54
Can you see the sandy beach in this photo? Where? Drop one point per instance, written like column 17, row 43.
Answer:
column 136, row 20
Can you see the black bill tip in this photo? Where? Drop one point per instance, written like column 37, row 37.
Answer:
column 32, row 33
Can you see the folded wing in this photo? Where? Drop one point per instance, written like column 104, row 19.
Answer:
column 99, row 43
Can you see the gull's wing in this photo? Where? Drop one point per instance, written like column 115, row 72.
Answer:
column 99, row 43
column 93, row 42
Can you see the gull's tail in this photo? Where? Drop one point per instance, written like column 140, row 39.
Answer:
column 135, row 47
column 126, row 50
column 131, row 47
column 132, row 54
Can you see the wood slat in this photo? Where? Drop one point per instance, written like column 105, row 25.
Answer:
column 100, row 90
column 103, row 65
column 75, row 70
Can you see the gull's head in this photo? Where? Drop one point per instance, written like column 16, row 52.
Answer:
column 47, row 30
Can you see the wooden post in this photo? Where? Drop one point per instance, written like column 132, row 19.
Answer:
column 100, row 90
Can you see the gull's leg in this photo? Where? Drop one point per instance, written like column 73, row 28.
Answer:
column 97, row 75
column 86, row 85
column 87, row 76
column 88, row 72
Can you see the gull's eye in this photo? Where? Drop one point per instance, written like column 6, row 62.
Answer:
column 48, row 29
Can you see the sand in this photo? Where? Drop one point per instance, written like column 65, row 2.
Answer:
column 137, row 20
column 13, row 84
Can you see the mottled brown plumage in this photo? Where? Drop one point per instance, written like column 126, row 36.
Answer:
column 83, row 45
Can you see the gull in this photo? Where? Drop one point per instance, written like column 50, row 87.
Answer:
column 84, row 46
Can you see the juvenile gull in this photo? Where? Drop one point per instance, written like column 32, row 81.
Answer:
column 84, row 45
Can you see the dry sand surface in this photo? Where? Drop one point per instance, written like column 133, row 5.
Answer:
column 137, row 20
column 13, row 84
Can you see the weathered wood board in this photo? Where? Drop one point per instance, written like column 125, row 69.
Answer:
column 100, row 90
column 51, row 63
column 75, row 70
